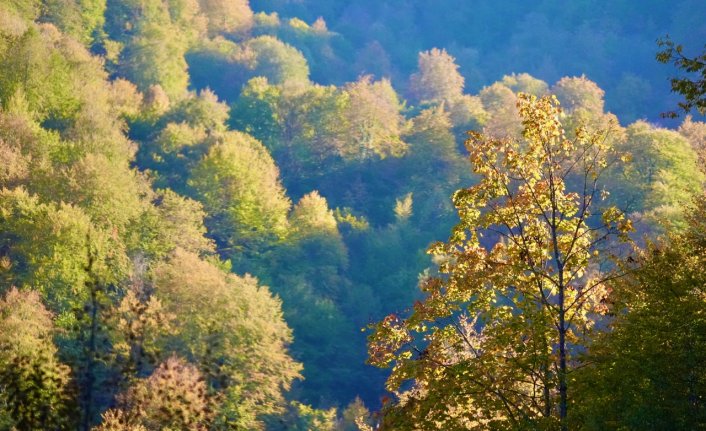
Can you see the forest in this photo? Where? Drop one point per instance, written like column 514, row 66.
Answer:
column 326, row 215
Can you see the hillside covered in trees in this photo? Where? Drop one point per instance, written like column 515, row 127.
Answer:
column 227, row 215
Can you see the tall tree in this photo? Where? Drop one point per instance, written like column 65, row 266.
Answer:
column 491, row 344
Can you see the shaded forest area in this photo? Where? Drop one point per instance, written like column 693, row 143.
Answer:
column 207, row 205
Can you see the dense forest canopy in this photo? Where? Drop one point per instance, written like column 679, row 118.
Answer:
column 207, row 205
column 612, row 43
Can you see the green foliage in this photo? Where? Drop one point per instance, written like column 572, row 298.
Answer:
column 202, row 110
column 257, row 112
column 82, row 19
column 432, row 149
column 181, row 137
column 579, row 93
column 311, row 215
column 45, row 248
column 234, row 330
column 227, row 16
column 99, row 153
column 215, row 64
column 693, row 87
column 153, row 41
column 238, row 184
column 500, row 104
column 663, row 174
column 647, row 371
column 525, row 83
column 155, row 56
column 374, row 123
column 278, row 62
column 24, row 9
column 180, row 224
column 695, row 133
column 354, row 414
column 403, row 207
column 302, row 417
column 35, row 388
column 51, row 79
column 303, row 127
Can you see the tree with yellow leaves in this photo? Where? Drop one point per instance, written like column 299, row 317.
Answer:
column 520, row 282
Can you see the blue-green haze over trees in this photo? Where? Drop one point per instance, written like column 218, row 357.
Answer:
column 335, row 216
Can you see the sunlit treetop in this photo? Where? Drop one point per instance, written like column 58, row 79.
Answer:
column 437, row 78
column 524, row 269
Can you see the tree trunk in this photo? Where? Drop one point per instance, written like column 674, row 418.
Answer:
column 562, row 361
column 90, row 364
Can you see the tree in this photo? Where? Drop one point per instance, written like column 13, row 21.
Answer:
column 275, row 60
column 233, row 329
column 304, row 128
column 647, row 371
column 503, row 119
column 437, row 78
column 693, row 86
column 354, row 414
column 311, row 216
column 35, row 388
column 29, row 10
column 83, row 19
column 179, row 140
column 438, row 81
column 432, row 148
column 491, row 344
column 302, row 417
column 695, row 133
column 173, row 397
column 238, row 184
column 663, row 175
column 180, row 224
column 579, row 93
column 154, row 56
column 45, row 246
column 138, row 325
column 373, row 119
column 199, row 111
column 227, row 16
column 525, row 83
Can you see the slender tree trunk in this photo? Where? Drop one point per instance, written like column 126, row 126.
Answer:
column 90, row 363
column 562, row 362
column 562, row 323
column 90, row 349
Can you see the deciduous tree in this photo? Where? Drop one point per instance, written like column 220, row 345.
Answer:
column 647, row 370
column 492, row 343
column 35, row 388
column 238, row 184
